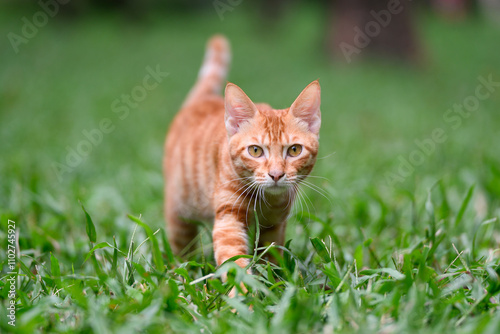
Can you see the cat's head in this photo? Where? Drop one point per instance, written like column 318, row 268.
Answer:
column 274, row 148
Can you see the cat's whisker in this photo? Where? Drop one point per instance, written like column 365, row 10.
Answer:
column 317, row 189
column 264, row 197
column 245, row 185
column 302, row 177
column 237, row 179
column 290, row 193
column 293, row 195
column 250, row 203
column 249, row 190
column 246, row 191
column 326, row 156
column 237, row 191
column 308, row 199
column 291, row 200
column 305, row 199
column 250, row 196
column 302, row 200
column 299, row 199
column 261, row 194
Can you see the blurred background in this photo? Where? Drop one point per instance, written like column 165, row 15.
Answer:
column 410, row 90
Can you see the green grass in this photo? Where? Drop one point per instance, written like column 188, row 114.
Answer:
column 372, row 257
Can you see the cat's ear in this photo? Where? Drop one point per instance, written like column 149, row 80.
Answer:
column 306, row 106
column 239, row 108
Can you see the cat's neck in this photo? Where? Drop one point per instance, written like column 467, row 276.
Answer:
column 273, row 208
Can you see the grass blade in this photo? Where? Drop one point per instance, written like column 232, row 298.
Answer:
column 157, row 257
column 464, row 205
column 54, row 267
column 90, row 227
column 321, row 249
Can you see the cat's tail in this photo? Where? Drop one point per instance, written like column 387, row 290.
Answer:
column 213, row 71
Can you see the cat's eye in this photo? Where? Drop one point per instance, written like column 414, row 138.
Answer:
column 294, row 150
column 255, row 151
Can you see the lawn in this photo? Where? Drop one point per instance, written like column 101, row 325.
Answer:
column 399, row 232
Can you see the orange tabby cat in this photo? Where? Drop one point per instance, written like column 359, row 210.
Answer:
column 226, row 158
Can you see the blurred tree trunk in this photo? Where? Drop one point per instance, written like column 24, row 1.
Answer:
column 455, row 10
column 381, row 28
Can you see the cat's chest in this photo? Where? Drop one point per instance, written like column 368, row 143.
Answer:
column 272, row 210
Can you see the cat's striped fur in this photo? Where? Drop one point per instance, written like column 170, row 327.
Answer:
column 209, row 169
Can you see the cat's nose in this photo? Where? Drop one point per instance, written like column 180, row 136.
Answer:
column 276, row 175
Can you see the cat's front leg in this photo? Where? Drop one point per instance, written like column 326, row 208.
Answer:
column 230, row 236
